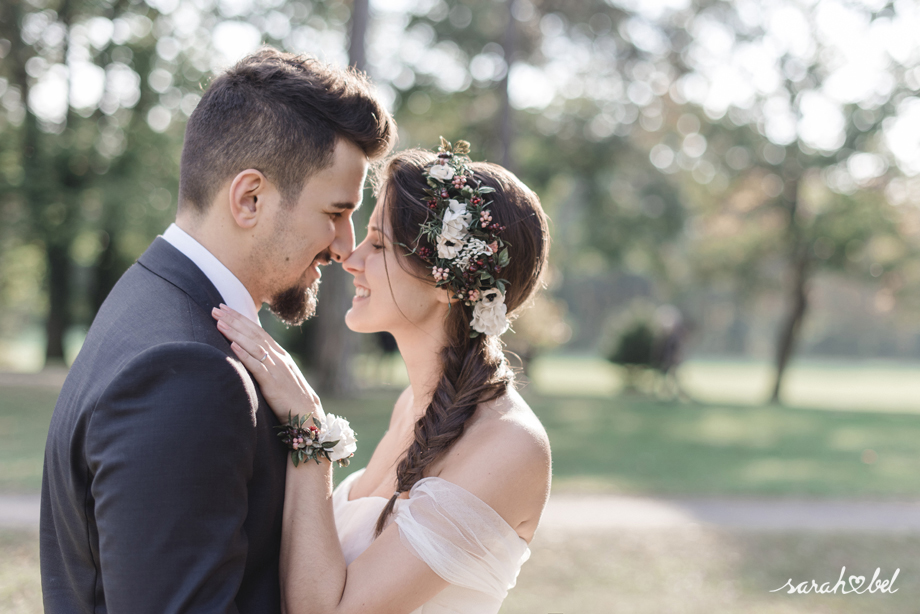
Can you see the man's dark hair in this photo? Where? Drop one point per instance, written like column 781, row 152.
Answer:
column 280, row 114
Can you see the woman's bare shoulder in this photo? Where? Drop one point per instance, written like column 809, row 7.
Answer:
column 510, row 418
column 504, row 458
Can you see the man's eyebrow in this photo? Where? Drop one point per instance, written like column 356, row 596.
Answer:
column 347, row 206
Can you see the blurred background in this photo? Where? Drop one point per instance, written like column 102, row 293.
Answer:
column 732, row 310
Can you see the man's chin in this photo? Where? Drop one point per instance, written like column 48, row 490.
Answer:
column 295, row 305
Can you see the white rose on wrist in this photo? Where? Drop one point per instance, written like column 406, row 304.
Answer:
column 442, row 172
column 490, row 314
column 337, row 429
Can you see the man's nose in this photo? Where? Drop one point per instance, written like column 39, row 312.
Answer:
column 344, row 243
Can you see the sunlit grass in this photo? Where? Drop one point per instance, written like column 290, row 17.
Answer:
column 24, row 417
column 844, row 385
column 707, row 571
column 636, row 572
column 20, row 580
column 625, row 444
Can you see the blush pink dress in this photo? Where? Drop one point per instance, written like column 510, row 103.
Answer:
column 455, row 533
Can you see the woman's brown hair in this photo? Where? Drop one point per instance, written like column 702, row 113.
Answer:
column 473, row 370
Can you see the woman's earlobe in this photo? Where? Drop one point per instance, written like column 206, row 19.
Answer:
column 445, row 297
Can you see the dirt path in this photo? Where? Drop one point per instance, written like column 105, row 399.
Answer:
column 575, row 513
column 592, row 513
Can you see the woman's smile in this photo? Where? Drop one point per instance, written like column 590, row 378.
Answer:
column 361, row 293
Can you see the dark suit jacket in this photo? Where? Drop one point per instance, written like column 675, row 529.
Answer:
column 163, row 485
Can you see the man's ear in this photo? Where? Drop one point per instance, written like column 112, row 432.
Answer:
column 248, row 194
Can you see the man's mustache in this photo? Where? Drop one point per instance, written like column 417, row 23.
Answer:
column 323, row 258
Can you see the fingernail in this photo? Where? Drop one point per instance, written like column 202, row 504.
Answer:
column 222, row 325
column 216, row 312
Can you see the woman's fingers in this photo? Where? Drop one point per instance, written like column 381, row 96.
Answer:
column 243, row 324
column 253, row 365
column 248, row 328
column 246, row 343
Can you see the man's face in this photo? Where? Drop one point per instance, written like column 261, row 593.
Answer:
column 316, row 229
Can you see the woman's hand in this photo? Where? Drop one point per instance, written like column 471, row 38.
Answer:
column 282, row 383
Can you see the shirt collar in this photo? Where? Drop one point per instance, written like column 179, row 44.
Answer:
column 231, row 289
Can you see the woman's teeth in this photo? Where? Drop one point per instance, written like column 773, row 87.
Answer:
column 362, row 292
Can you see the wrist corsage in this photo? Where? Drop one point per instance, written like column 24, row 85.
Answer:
column 332, row 439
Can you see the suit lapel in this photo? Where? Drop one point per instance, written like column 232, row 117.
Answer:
column 164, row 260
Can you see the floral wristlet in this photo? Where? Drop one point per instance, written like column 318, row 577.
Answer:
column 332, row 439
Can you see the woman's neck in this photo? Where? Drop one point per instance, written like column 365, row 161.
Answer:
column 421, row 351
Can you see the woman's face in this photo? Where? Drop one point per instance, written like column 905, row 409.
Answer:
column 387, row 297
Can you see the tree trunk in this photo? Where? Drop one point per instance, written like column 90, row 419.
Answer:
column 505, row 127
column 357, row 46
column 58, row 302
column 798, row 304
column 800, row 271
column 335, row 344
column 106, row 273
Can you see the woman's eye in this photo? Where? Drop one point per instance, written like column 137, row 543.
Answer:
column 376, row 246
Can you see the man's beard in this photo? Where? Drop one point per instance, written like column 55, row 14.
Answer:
column 295, row 305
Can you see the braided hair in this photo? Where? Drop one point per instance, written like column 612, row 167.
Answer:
column 473, row 370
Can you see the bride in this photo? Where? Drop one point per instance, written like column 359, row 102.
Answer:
column 441, row 518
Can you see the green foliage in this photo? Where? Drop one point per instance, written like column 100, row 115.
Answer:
column 634, row 346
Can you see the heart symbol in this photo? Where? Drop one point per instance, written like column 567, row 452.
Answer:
column 853, row 579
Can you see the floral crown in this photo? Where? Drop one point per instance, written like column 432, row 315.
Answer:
column 469, row 253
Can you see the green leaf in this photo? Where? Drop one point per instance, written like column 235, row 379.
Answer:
column 317, row 423
column 503, row 258
column 486, row 190
column 330, row 444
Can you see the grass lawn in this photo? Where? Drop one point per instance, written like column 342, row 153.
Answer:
column 710, row 571
column 622, row 444
column 24, row 417
column 723, row 445
column 20, row 582
column 642, row 572
column 632, row 445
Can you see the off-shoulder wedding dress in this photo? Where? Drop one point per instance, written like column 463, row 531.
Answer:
column 459, row 536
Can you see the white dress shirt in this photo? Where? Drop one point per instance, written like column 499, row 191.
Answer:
column 231, row 289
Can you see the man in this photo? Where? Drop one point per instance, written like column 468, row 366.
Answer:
column 164, row 481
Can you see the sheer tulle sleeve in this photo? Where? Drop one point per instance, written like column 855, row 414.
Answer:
column 460, row 537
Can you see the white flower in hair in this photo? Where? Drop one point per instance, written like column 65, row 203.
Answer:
column 473, row 248
column 337, row 429
column 455, row 230
column 442, row 172
column 490, row 313
column 456, row 211
column 449, row 246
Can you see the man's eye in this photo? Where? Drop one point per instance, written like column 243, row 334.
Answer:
column 335, row 214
